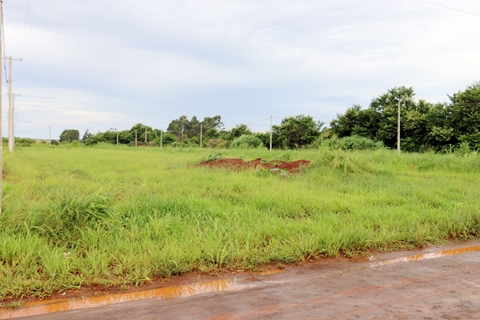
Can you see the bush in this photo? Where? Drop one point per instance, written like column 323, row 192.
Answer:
column 246, row 142
column 65, row 220
column 464, row 150
column 24, row 142
column 217, row 143
column 352, row 143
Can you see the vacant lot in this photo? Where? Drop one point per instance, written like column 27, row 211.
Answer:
column 108, row 216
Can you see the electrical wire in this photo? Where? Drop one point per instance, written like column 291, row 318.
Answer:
column 259, row 121
column 4, row 49
column 449, row 8
column 25, row 27
column 23, row 45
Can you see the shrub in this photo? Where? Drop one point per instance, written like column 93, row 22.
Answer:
column 246, row 142
column 352, row 143
column 217, row 143
column 24, row 142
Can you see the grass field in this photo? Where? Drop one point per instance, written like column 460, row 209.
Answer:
column 119, row 216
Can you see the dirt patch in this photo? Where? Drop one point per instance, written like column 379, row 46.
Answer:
column 258, row 164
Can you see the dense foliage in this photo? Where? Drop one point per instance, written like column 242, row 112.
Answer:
column 425, row 126
column 246, row 142
column 69, row 135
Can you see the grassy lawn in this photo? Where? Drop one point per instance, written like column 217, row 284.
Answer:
column 119, row 216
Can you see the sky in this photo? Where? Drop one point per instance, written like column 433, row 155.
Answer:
column 101, row 64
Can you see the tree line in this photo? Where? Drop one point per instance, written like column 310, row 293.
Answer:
column 424, row 126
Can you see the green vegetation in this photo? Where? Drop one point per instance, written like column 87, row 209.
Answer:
column 424, row 126
column 117, row 216
column 246, row 142
column 70, row 135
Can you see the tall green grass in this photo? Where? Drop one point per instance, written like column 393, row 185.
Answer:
column 123, row 216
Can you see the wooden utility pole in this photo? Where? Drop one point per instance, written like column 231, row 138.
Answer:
column 181, row 139
column 270, row 132
column 11, row 137
column 135, row 138
column 161, row 139
column 398, row 128
column 13, row 118
column 145, row 136
column 201, row 128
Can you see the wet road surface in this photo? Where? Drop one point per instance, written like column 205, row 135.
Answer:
column 434, row 283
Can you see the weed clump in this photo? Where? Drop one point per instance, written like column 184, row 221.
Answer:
column 350, row 143
column 342, row 161
column 246, row 142
column 64, row 221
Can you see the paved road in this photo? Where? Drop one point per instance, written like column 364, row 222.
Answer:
column 401, row 285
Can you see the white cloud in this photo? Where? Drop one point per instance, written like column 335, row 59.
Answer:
column 104, row 59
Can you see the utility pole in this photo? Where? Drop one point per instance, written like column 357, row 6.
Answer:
column 1, row 96
column 145, row 136
column 11, row 137
column 183, row 111
column 161, row 139
column 201, row 127
column 398, row 128
column 13, row 116
column 181, row 139
column 135, row 138
column 117, row 138
column 270, row 132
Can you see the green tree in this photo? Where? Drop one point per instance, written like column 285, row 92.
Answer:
column 177, row 127
column 86, row 135
column 356, row 121
column 386, row 106
column 465, row 115
column 141, row 129
column 69, row 135
column 238, row 131
column 246, row 142
column 213, row 123
column 188, row 129
column 297, row 131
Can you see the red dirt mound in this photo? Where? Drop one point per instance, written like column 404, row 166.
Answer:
column 239, row 164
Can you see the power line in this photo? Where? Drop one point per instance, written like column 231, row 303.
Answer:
column 25, row 27
column 3, row 44
column 449, row 8
column 23, row 45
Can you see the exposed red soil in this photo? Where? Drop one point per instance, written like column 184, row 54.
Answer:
column 239, row 164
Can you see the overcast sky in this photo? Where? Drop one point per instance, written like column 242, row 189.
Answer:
column 101, row 64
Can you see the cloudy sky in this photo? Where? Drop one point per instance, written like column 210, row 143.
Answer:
column 100, row 64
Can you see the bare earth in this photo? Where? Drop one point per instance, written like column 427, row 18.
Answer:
column 418, row 284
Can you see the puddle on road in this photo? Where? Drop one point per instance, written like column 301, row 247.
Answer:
column 58, row 305
column 417, row 257
column 44, row 307
column 426, row 256
column 269, row 272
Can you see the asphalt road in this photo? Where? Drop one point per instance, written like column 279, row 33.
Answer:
column 434, row 283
